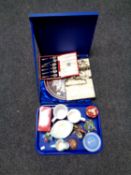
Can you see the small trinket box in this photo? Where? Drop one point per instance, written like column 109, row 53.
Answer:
column 67, row 120
column 44, row 119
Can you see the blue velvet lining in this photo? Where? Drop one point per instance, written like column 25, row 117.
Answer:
column 46, row 98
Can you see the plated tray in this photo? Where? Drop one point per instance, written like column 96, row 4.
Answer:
column 40, row 143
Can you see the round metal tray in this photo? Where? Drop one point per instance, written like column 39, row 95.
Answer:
column 56, row 88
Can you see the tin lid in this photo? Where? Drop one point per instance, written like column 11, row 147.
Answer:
column 92, row 111
column 92, row 142
column 58, row 33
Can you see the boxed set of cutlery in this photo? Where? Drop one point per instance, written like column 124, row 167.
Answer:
column 67, row 120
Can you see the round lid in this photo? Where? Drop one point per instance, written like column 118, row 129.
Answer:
column 92, row 111
column 92, row 142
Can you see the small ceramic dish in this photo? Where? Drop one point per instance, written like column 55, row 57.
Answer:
column 59, row 112
column 74, row 116
column 61, row 129
column 92, row 111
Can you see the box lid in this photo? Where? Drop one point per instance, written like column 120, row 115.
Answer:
column 58, row 33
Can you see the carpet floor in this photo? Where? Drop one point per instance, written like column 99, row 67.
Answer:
column 111, row 67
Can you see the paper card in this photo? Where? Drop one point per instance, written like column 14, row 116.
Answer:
column 68, row 65
column 82, row 86
column 81, row 91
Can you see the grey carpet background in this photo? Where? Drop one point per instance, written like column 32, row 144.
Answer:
column 111, row 67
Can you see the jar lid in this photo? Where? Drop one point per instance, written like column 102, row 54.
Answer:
column 92, row 111
column 92, row 142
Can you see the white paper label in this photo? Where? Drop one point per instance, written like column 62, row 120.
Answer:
column 68, row 65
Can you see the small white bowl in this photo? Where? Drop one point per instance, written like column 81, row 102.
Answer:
column 59, row 112
column 74, row 116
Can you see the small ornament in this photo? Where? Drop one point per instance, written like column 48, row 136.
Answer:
column 92, row 111
column 89, row 126
column 79, row 131
column 60, row 145
column 73, row 144
column 47, row 137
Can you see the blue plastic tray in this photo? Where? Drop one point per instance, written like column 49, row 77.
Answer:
column 80, row 149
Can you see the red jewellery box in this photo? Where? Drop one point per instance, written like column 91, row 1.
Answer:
column 67, row 120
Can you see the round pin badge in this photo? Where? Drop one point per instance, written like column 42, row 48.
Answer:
column 92, row 111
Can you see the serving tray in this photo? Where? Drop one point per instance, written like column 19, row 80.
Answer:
column 80, row 149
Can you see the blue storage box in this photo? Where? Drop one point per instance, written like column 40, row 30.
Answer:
column 54, row 34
